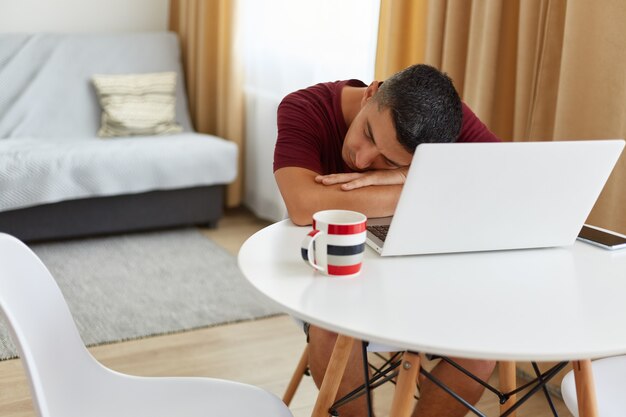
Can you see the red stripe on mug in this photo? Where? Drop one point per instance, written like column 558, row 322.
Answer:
column 344, row 270
column 341, row 229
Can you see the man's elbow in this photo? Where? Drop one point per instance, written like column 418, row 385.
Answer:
column 300, row 218
column 300, row 214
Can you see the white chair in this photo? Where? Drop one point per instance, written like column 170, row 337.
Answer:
column 609, row 376
column 66, row 381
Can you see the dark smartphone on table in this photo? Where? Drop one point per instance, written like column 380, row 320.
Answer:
column 604, row 239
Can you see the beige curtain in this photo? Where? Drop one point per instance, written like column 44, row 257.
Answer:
column 530, row 69
column 401, row 35
column 214, row 87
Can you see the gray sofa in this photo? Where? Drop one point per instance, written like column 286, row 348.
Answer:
column 59, row 180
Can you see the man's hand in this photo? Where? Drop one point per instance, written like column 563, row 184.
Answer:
column 354, row 180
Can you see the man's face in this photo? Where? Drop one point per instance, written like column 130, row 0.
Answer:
column 371, row 142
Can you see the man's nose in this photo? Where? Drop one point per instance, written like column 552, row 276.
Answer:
column 365, row 157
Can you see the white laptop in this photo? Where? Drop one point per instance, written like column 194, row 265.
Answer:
column 466, row 197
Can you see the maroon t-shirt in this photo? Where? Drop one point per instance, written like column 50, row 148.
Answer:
column 311, row 129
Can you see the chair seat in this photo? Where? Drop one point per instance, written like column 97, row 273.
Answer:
column 609, row 376
column 131, row 396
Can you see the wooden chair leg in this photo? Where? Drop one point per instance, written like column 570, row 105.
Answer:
column 507, row 379
column 334, row 373
column 585, row 389
column 402, row 405
column 296, row 378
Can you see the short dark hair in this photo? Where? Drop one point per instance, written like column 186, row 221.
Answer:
column 424, row 105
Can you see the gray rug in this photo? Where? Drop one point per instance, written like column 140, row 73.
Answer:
column 138, row 285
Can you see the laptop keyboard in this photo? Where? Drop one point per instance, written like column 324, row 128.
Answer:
column 379, row 231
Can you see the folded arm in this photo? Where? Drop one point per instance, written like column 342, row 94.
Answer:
column 305, row 192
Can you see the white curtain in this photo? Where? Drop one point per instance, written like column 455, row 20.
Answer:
column 286, row 45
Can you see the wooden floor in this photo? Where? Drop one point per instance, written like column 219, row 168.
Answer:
column 262, row 353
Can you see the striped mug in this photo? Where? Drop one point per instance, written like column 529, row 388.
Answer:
column 336, row 244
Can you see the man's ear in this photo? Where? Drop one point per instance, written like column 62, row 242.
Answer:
column 369, row 92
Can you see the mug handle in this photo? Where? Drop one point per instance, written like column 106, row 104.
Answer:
column 307, row 243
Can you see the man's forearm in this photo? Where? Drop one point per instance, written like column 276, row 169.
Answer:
column 375, row 201
column 304, row 196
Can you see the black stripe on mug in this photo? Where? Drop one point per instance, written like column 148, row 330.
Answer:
column 345, row 250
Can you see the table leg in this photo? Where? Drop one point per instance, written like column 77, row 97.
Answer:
column 334, row 373
column 585, row 390
column 507, row 378
column 402, row 405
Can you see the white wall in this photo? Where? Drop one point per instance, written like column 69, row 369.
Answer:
column 83, row 15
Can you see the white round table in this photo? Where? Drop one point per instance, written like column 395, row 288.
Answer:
column 566, row 303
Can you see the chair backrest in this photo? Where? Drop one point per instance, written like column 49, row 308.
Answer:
column 42, row 327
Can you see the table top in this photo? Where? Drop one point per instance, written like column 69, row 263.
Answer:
column 549, row 304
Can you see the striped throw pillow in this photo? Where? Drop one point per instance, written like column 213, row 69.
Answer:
column 137, row 104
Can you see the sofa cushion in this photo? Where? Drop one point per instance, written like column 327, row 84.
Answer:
column 137, row 104
column 33, row 171
column 45, row 79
